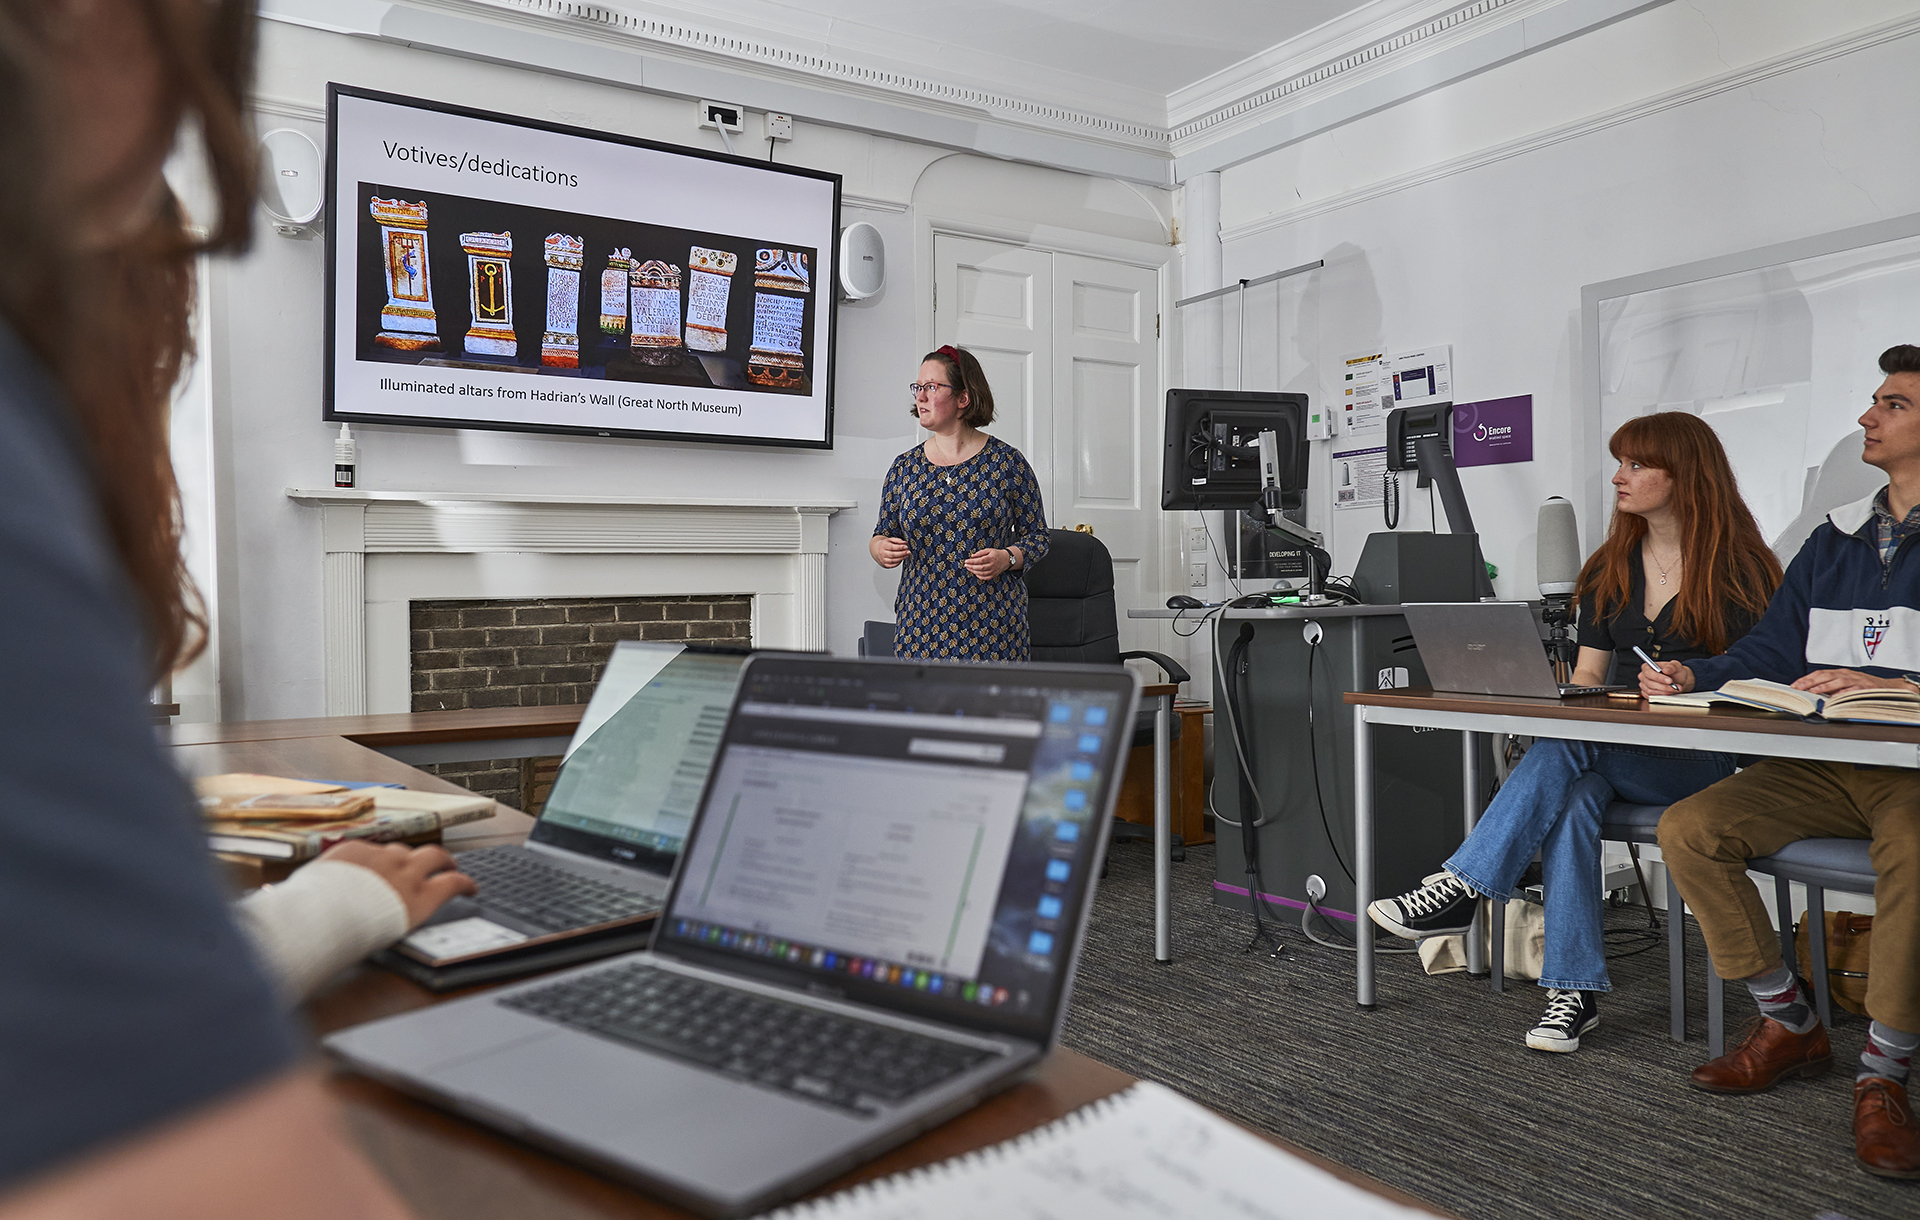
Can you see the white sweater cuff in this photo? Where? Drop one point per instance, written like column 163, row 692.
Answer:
column 326, row 916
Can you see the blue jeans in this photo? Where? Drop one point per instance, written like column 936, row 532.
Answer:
column 1552, row 804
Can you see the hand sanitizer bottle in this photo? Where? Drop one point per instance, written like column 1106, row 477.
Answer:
column 343, row 458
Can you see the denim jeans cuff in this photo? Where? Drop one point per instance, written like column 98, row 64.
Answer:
column 1484, row 891
column 1568, row 985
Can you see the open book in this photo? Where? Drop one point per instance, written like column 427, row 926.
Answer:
column 1876, row 705
column 1145, row 1153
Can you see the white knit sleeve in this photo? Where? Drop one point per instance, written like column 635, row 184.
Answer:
column 326, row 916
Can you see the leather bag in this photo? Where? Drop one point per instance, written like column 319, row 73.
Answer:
column 1848, row 939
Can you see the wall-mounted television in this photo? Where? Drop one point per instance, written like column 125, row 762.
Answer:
column 486, row 271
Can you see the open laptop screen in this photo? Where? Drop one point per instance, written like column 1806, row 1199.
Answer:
column 631, row 779
column 918, row 835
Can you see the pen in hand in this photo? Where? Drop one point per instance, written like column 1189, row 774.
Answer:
column 1654, row 665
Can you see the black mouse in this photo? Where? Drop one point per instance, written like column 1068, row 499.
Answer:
column 1181, row 601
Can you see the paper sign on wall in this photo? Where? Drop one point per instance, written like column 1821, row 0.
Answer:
column 1494, row 432
column 1366, row 393
column 1358, row 477
column 1422, row 377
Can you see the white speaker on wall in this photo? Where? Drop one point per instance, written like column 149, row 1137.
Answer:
column 292, row 181
column 863, row 262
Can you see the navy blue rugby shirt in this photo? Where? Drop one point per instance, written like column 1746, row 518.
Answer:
column 127, row 995
column 1840, row 607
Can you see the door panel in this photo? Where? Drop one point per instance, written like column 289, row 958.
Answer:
column 1106, row 435
column 996, row 301
column 1107, row 429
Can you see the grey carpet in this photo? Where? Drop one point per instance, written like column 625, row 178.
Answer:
column 1434, row 1091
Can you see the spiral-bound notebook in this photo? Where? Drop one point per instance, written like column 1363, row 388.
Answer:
column 1145, row 1152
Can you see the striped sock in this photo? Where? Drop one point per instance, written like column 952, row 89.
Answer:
column 1778, row 995
column 1889, row 1053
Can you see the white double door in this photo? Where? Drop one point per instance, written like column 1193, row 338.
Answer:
column 1071, row 346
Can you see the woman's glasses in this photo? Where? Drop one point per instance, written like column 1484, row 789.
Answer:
column 927, row 388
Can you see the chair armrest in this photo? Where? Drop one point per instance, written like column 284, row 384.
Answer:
column 1173, row 669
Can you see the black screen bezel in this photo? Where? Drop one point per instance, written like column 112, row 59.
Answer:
column 824, row 282
column 1043, row 1022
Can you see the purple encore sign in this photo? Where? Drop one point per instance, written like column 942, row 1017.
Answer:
column 1494, row 432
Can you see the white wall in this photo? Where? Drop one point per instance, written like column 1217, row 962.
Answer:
column 263, row 348
column 1474, row 214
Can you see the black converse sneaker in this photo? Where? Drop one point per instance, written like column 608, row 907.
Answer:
column 1569, row 1014
column 1442, row 906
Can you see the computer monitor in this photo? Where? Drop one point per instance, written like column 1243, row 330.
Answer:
column 1212, row 452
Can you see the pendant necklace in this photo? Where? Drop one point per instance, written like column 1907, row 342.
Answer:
column 1661, row 566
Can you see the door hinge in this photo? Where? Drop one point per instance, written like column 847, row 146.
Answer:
column 1156, row 326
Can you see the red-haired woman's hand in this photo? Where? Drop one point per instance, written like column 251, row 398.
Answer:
column 1668, row 678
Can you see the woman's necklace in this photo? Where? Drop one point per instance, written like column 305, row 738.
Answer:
column 1674, row 562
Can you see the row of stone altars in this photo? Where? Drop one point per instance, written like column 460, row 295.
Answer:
column 639, row 300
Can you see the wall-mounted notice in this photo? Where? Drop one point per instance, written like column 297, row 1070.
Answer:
column 1359, row 477
column 1422, row 377
column 1494, row 432
column 1366, row 393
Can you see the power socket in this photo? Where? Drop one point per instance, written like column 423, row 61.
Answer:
column 779, row 126
column 1316, row 887
column 1196, row 540
column 723, row 116
column 1196, row 576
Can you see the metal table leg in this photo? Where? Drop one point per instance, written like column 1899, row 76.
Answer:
column 1363, row 855
column 1163, row 829
column 1470, row 814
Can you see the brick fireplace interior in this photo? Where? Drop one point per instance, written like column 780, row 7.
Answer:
column 534, row 652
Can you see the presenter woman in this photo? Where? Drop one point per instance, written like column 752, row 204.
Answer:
column 961, row 510
column 1683, row 573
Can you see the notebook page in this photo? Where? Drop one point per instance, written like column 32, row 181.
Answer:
column 1145, row 1153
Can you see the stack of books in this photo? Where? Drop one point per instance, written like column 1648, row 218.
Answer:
column 265, row 817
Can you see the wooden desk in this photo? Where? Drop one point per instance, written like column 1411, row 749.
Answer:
column 1731, row 730
column 1188, row 796
column 447, row 1167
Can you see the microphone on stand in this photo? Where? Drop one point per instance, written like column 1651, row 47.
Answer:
column 1557, row 567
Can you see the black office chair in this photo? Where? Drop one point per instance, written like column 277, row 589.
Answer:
column 876, row 639
column 1072, row 615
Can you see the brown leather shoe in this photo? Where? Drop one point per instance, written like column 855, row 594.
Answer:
column 1885, row 1140
column 1768, row 1051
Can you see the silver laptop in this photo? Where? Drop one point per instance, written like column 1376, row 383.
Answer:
column 599, row 856
column 873, row 926
column 1487, row 648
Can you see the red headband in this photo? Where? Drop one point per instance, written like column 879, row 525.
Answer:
column 948, row 351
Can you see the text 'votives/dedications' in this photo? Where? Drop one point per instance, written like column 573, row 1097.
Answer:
column 407, row 323
column 560, row 346
column 780, row 282
column 490, row 293
column 709, row 281
column 656, row 313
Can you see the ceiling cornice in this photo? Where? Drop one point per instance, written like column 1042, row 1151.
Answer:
column 1355, row 65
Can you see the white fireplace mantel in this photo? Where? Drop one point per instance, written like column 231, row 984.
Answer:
column 382, row 549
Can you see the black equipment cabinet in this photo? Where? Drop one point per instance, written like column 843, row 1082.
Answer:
column 1293, row 713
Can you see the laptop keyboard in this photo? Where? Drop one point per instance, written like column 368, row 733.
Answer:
column 824, row 1057
column 518, row 882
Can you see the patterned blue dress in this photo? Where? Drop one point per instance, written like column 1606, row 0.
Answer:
column 946, row 513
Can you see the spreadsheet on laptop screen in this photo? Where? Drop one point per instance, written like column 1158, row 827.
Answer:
column 937, row 846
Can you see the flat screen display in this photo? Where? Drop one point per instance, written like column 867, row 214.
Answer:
column 485, row 271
